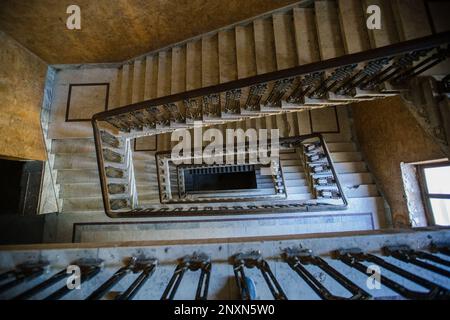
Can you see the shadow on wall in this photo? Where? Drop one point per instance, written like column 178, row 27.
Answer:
column 388, row 134
column 20, row 188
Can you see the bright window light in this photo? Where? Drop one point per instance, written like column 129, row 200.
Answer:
column 437, row 192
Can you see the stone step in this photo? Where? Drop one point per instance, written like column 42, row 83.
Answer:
column 89, row 161
column 88, row 176
column 352, row 20
column 355, row 179
column 360, row 191
column 328, row 30
column 210, row 60
column 341, row 146
column 296, row 189
column 245, row 51
column 284, row 35
column 151, row 77
column 138, row 80
column 261, row 225
column 411, row 19
column 306, row 35
column 299, row 196
column 287, row 169
column 346, row 156
column 73, row 146
column 264, row 45
column 350, row 167
column 80, row 190
column 94, row 204
column 388, row 34
column 164, row 73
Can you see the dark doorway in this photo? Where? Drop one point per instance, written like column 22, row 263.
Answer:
column 20, row 185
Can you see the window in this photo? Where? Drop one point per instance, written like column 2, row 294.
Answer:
column 435, row 183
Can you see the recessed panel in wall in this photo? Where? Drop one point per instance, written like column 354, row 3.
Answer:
column 86, row 99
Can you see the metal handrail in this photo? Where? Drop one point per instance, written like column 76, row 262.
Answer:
column 349, row 59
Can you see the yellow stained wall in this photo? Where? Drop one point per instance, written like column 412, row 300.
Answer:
column 389, row 134
column 22, row 78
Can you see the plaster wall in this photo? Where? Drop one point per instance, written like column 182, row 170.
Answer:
column 22, row 78
column 388, row 134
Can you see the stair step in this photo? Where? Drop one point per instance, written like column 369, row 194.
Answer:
column 138, row 81
column 306, row 35
column 245, row 51
column 388, row 34
column 287, row 169
column 291, row 190
column 411, row 19
column 353, row 26
column 359, row 191
column 328, row 30
column 73, row 145
column 354, row 179
column 439, row 14
column 75, row 161
column 125, row 89
column 227, row 56
column 164, row 73
column 210, row 61
column 151, row 77
column 193, row 65
column 341, row 146
column 284, row 35
column 346, row 156
column 264, row 46
column 87, row 176
column 350, row 167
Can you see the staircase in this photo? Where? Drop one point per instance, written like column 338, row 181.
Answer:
column 210, row 67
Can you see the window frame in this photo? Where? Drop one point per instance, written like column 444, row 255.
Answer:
column 426, row 195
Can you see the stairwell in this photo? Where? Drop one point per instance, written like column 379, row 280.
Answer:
column 308, row 32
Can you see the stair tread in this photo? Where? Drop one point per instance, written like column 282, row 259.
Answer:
column 353, row 25
column 327, row 24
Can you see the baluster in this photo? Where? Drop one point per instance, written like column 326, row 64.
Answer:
column 354, row 257
column 296, row 258
column 194, row 262
column 251, row 260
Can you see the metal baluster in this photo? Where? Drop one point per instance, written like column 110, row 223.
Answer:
column 211, row 105
column 232, row 101
column 24, row 273
column 372, row 70
column 194, row 262
column 203, row 282
column 297, row 257
column 441, row 248
column 353, row 258
column 406, row 254
column 424, row 65
column 401, row 63
column 338, row 75
column 89, row 268
column 251, row 260
column 42, row 286
column 193, row 109
column 278, row 91
column 254, row 97
column 147, row 267
column 114, row 279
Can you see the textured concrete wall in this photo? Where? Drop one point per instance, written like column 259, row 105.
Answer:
column 388, row 134
column 22, row 77
column 115, row 30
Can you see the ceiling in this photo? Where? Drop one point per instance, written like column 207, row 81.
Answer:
column 115, row 30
